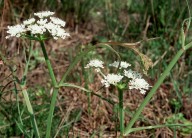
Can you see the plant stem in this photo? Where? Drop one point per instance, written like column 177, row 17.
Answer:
column 155, row 87
column 55, row 91
column 121, row 111
column 26, row 96
column 50, row 69
column 51, row 111
column 159, row 126
column 30, row 110
column 86, row 78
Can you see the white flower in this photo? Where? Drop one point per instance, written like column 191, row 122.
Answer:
column 16, row 30
column 42, row 26
column 139, row 84
column 43, row 14
column 60, row 33
column 122, row 65
column 56, row 31
column 42, row 21
column 95, row 63
column 111, row 79
column 36, row 29
column 29, row 21
column 58, row 21
column 132, row 74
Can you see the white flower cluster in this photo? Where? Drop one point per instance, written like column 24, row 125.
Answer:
column 132, row 74
column 44, row 14
column 135, row 79
column 40, row 26
column 95, row 63
column 111, row 79
column 16, row 30
column 123, row 64
column 139, row 84
column 136, row 82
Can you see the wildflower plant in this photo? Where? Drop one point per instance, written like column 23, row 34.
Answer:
column 124, row 77
column 135, row 80
column 40, row 28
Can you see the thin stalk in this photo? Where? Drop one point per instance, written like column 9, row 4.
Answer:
column 55, row 91
column 23, row 81
column 155, row 87
column 17, row 102
column 158, row 126
column 30, row 110
column 50, row 69
column 87, row 87
column 51, row 111
column 89, row 101
column 121, row 111
column 26, row 97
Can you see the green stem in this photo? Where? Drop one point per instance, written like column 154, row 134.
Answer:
column 23, row 81
column 159, row 126
column 51, row 111
column 18, row 105
column 121, row 111
column 30, row 110
column 155, row 87
column 55, row 91
column 87, row 87
column 51, row 73
column 25, row 94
